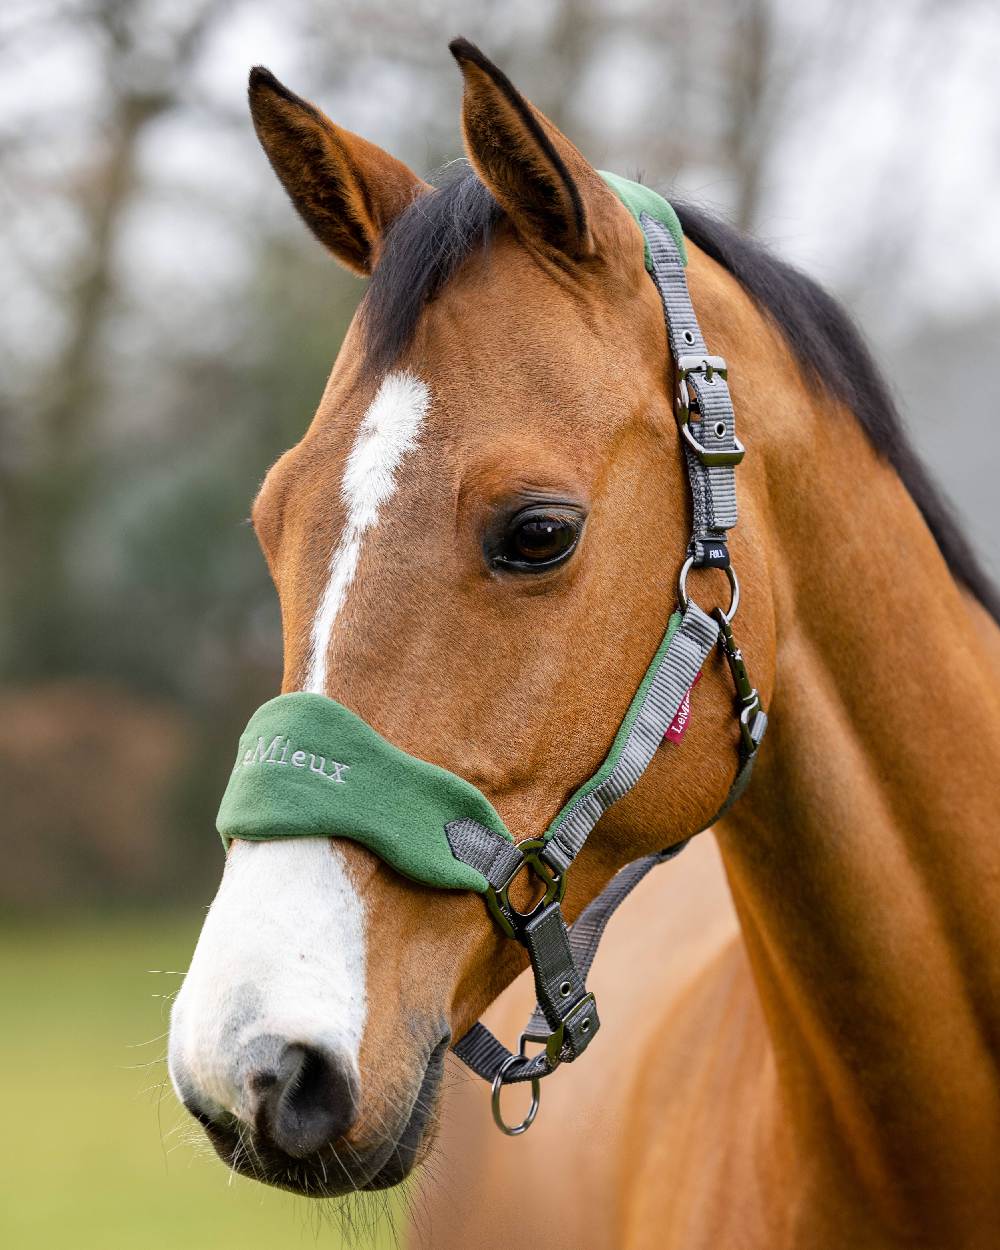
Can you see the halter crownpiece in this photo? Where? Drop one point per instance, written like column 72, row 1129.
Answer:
column 309, row 767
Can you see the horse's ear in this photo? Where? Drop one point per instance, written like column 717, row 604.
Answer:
column 539, row 178
column 346, row 190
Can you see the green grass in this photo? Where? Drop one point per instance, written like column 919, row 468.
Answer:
column 95, row 1151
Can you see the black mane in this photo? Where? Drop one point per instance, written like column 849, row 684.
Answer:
column 429, row 241
column 422, row 249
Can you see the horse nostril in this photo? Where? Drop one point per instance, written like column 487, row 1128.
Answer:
column 310, row 1100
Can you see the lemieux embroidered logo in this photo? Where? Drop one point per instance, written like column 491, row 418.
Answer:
column 682, row 717
column 280, row 751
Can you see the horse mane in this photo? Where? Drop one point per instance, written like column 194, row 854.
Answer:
column 427, row 243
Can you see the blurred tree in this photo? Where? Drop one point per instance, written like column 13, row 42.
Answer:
column 43, row 499
column 168, row 323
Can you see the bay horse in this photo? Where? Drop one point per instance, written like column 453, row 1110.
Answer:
column 476, row 547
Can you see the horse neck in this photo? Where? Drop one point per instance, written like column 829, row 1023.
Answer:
column 865, row 858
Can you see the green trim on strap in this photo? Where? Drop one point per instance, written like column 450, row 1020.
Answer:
column 639, row 199
column 626, row 726
column 308, row 767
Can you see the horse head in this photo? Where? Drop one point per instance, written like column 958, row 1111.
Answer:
column 475, row 546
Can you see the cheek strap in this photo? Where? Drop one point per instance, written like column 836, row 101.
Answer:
column 565, row 1019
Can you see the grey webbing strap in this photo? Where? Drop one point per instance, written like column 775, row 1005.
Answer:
column 486, row 1055
column 483, row 849
column 588, row 928
column 496, row 858
column 710, row 423
column 696, row 635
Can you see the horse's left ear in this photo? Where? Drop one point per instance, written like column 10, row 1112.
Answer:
column 540, row 179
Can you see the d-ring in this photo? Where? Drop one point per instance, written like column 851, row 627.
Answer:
column 734, row 587
column 517, row 1129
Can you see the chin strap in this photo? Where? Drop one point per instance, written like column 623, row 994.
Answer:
column 565, row 1019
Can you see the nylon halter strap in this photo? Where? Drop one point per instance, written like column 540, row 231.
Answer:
column 565, row 1019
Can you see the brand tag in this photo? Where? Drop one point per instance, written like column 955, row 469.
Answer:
column 678, row 726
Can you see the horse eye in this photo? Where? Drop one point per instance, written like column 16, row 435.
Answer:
column 537, row 540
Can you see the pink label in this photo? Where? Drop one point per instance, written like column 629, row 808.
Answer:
column 678, row 726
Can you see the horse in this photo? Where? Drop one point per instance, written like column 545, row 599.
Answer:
column 476, row 547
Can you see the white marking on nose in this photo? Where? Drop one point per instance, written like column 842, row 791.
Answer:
column 389, row 429
column 281, row 953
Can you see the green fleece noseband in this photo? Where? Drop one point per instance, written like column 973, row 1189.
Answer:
column 308, row 767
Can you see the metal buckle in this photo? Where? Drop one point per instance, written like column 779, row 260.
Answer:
column 554, row 1042
column 709, row 366
column 514, row 1130
column 752, row 731
column 701, row 363
column 734, row 586
column 708, row 457
column 497, row 898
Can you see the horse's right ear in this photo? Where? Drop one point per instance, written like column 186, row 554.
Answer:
column 346, row 190
column 542, row 182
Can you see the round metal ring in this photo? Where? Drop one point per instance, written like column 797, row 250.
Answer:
column 514, row 1130
column 734, row 587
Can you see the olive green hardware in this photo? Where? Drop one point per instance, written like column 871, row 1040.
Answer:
column 710, row 366
column 497, row 900
column 751, row 708
column 554, row 1042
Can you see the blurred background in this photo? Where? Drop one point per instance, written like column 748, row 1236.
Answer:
column 166, row 327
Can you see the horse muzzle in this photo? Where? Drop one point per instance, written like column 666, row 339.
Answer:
column 299, row 1122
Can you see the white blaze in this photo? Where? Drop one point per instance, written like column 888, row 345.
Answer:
column 389, row 429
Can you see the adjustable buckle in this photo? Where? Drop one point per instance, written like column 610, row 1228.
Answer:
column 582, row 1017
column 701, row 363
column 709, row 366
column 497, row 898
